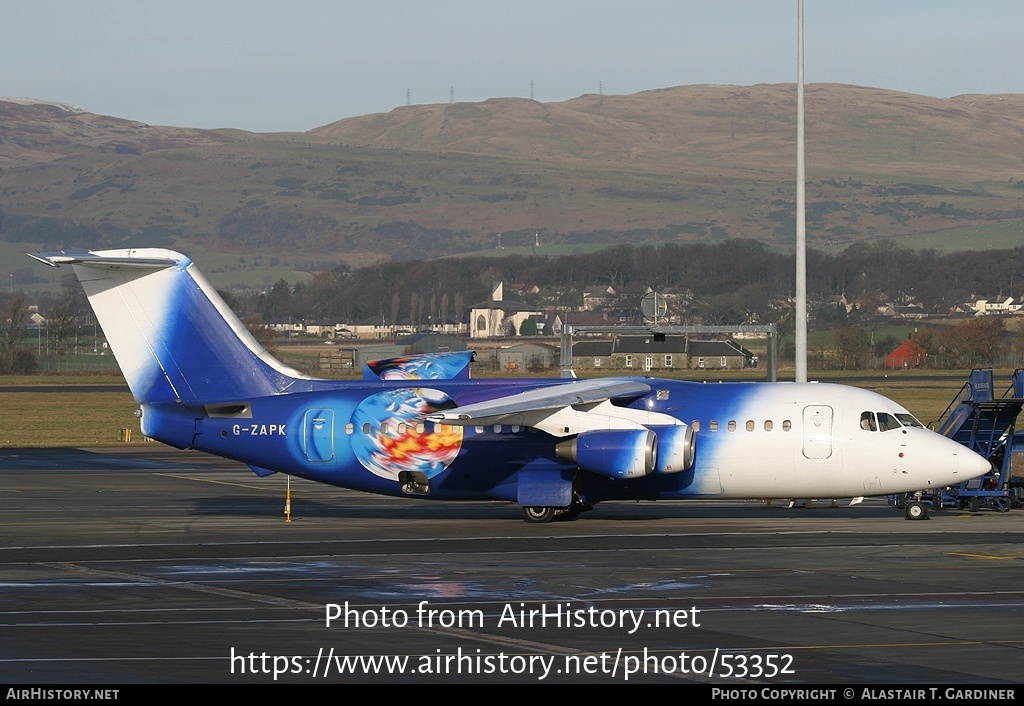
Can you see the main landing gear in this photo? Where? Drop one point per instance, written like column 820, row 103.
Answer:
column 540, row 515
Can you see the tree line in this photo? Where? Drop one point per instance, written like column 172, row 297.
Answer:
column 731, row 282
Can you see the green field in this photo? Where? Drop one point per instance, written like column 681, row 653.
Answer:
column 93, row 419
column 991, row 236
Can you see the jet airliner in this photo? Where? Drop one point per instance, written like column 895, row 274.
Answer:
column 420, row 427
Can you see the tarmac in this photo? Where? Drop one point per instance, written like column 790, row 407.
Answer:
column 149, row 565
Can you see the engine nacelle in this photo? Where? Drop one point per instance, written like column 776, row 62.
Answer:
column 616, row 453
column 676, row 448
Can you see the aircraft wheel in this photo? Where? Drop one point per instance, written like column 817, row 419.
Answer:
column 916, row 510
column 538, row 515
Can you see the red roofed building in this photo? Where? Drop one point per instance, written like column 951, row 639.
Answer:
column 908, row 354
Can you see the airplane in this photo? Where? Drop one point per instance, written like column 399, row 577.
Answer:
column 419, row 426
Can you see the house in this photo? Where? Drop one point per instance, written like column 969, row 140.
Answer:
column 549, row 324
column 498, row 318
column 909, row 354
column 372, row 329
column 910, row 311
column 659, row 352
column 720, row 355
column 994, row 307
column 837, row 301
column 650, row 352
column 289, row 326
column 592, row 355
column 530, row 356
column 597, row 296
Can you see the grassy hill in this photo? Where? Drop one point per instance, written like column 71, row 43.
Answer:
column 691, row 163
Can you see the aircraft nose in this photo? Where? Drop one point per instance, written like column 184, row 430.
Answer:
column 971, row 464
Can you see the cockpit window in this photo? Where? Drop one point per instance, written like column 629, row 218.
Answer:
column 867, row 421
column 909, row 420
column 887, row 422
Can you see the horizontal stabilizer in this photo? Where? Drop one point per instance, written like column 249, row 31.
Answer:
column 453, row 365
column 93, row 260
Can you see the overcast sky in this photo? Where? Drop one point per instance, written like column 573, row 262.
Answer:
column 290, row 66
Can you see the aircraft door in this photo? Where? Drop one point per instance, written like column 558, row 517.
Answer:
column 817, row 431
column 318, row 435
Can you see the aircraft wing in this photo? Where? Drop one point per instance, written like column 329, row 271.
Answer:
column 543, row 401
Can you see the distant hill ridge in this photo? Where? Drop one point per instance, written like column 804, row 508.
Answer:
column 38, row 101
column 33, row 131
column 728, row 125
column 689, row 163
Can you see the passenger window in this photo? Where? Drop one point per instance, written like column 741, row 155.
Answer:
column 713, row 425
column 349, row 428
column 366, row 428
column 732, row 425
column 750, row 425
column 786, row 425
column 768, row 425
column 695, row 425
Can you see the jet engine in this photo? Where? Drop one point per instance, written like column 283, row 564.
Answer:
column 676, row 448
column 615, row 453
column 631, row 453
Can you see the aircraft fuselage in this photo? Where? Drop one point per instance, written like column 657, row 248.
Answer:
column 752, row 440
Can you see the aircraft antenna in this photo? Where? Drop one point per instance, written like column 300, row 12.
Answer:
column 800, row 374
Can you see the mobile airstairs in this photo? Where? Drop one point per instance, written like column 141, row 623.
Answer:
column 987, row 425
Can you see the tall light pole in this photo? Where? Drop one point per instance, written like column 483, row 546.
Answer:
column 800, row 374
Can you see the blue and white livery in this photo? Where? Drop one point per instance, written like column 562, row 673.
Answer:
column 418, row 426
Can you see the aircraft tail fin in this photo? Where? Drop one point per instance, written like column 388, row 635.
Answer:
column 172, row 334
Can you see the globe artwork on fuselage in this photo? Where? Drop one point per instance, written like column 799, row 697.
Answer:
column 392, row 437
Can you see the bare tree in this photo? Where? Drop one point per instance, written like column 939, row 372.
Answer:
column 445, row 304
column 63, row 316
column 460, row 305
column 396, row 301
column 14, row 310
